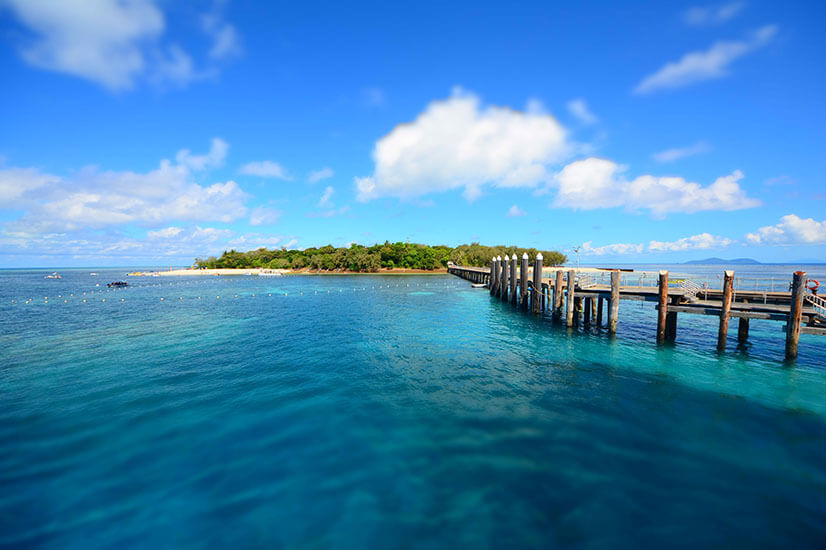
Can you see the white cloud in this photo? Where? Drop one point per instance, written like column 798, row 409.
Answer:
column 264, row 216
column 670, row 155
column 579, row 109
column 16, row 183
column 597, row 183
column 265, row 169
column 704, row 65
column 325, row 201
column 792, row 229
column 213, row 159
column 712, row 15
column 318, row 175
column 702, row 241
column 111, row 42
column 458, row 143
column 515, row 212
column 225, row 40
column 611, row 249
column 97, row 199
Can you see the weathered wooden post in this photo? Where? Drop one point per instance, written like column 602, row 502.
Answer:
column 671, row 321
column 588, row 309
column 795, row 314
column 523, row 280
column 661, row 314
column 743, row 328
column 506, row 264
column 513, row 280
column 492, row 276
column 725, row 310
column 600, row 301
column 558, row 294
column 536, row 299
column 613, row 303
column 569, row 302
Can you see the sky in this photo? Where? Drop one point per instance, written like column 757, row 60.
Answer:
column 149, row 133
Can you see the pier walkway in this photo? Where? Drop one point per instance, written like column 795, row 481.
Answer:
column 588, row 296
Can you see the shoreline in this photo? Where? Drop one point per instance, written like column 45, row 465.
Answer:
column 230, row 272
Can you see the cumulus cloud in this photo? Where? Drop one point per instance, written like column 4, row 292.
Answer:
column 213, row 159
column 265, row 169
column 110, row 42
column 670, row 155
column 792, row 229
column 598, row 183
column 319, row 175
column 515, row 212
column 226, row 42
column 458, row 143
column 93, row 199
column 705, row 65
column 712, row 15
column 579, row 109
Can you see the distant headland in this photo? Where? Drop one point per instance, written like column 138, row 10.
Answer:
column 720, row 261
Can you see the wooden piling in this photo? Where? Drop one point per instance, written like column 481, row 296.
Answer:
column 503, row 290
column 513, row 296
column 725, row 310
column 600, row 300
column 523, row 281
column 492, row 276
column 795, row 314
column 743, row 330
column 671, row 321
column 613, row 303
column 558, row 294
column 537, row 284
column 663, row 311
column 569, row 302
column 588, row 310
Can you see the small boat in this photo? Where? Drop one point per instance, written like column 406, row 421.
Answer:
column 54, row 275
column 269, row 274
column 117, row 284
column 93, row 274
column 478, row 285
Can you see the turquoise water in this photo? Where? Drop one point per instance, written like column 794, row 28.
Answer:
column 387, row 411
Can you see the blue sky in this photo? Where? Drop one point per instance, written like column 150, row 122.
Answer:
column 148, row 133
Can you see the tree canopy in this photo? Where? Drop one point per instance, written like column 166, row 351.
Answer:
column 374, row 258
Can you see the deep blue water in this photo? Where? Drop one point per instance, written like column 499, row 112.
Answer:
column 388, row 411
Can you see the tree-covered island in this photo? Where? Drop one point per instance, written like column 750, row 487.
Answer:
column 358, row 258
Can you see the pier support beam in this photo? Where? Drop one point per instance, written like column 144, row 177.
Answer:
column 795, row 314
column 536, row 298
column 725, row 310
column 671, row 321
column 743, row 330
column 600, row 301
column 613, row 303
column 523, row 281
column 569, row 303
column 558, row 294
column 513, row 295
column 588, row 310
column 663, row 311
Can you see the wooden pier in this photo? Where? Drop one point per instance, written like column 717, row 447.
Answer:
column 575, row 298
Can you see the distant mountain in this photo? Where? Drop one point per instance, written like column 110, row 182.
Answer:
column 720, row 261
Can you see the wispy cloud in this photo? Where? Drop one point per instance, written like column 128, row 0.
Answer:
column 515, row 212
column 703, row 241
column 712, row 15
column 318, row 175
column 326, row 198
column 579, row 109
column 373, row 97
column 670, row 155
column 705, row 65
column 265, row 169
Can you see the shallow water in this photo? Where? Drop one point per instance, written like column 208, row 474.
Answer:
column 388, row 411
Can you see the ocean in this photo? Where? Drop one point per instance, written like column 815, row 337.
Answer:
column 379, row 411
